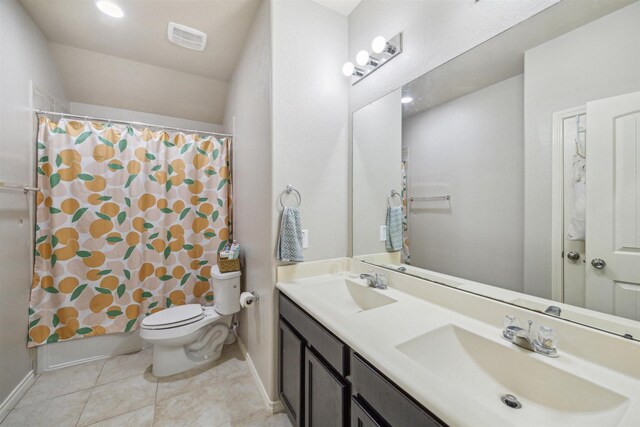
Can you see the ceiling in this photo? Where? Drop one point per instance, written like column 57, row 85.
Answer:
column 344, row 7
column 142, row 34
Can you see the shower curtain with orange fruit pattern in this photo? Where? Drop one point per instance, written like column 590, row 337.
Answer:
column 128, row 222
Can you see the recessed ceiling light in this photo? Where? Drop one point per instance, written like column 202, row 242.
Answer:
column 110, row 8
column 406, row 99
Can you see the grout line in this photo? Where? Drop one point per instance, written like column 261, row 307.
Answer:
column 124, row 413
column 92, row 388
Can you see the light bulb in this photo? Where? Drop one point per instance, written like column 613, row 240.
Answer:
column 347, row 69
column 379, row 44
column 362, row 58
column 406, row 99
column 110, row 9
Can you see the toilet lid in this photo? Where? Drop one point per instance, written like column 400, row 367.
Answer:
column 174, row 316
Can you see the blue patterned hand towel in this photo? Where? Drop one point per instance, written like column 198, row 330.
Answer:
column 290, row 239
column 394, row 229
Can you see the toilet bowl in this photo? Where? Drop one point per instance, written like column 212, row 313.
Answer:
column 190, row 335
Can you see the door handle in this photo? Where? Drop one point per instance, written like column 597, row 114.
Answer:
column 573, row 256
column 598, row 263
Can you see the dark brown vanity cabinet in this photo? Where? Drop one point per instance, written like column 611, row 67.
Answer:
column 322, row 383
column 291, row 378
column 312, row 369
column 381, row 402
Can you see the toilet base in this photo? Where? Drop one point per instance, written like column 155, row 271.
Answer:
column 205, row 347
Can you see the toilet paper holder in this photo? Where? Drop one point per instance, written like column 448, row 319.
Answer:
column 249, row 298
column 256, row 297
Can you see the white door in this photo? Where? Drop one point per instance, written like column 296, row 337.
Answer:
column 613, row 205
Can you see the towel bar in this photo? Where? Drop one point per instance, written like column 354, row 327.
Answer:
column 287, row 192
column 428, row 199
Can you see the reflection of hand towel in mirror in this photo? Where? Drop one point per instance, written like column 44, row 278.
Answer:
column 394, row 229
column 290, row 239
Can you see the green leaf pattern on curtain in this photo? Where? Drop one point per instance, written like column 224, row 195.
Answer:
column 128, row 222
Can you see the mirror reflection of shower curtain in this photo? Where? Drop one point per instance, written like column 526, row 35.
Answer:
column 406, row 256
column 577, row 225
column 128, row 223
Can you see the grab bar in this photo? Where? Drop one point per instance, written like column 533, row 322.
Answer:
column 5, row 185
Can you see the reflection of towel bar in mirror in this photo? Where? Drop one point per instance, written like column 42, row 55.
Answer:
column 429, row 199
column 392, row 195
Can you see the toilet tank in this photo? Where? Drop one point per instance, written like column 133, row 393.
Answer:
column 226, row 291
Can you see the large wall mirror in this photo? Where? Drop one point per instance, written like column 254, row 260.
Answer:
column 513, row 170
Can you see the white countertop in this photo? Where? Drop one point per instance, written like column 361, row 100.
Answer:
column 376, row 333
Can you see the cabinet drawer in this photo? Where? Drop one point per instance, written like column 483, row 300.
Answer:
column 390, row 402
column 362, row 416
column 334, row 351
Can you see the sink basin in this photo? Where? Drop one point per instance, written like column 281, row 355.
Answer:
column 487, row 369
column 347, row 296
column 366, row 297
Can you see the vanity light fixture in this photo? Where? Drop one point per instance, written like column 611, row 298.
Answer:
column 406, row 99
column 348, row 69
column 110, row 8
column 380, row 45
column 363, row 59
column 385, row 50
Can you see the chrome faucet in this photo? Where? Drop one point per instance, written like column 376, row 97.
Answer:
column 375, row 280
column 544, row 344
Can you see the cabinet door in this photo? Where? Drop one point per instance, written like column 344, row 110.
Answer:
column 362, row 417
column 325, row 394
column 290, row 381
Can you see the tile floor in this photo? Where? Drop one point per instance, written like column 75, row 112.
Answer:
column 120, row 391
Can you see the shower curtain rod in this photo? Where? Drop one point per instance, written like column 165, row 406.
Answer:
column 79, row 116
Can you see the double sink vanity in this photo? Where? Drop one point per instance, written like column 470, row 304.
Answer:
column 419, row 353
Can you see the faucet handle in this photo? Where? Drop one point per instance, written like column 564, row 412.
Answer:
column 547, row 337
column 381, row 279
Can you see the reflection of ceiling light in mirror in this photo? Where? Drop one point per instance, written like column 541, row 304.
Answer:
column 110, row 9
column 406, row 99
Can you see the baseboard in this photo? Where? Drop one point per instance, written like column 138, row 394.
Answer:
column 87, row 360
column 76, row 352
column 16, row 394
column 272, row 406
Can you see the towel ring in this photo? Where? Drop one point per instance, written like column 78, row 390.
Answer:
column 287, row 192
column 393, row 194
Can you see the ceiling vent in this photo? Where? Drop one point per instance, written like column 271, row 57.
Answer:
column 186, row 36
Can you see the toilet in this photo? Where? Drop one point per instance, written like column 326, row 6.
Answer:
column 190, row 335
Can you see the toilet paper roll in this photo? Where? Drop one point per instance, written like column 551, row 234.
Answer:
column 247, row 299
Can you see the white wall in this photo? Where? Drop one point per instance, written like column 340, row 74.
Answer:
column 471, row 148
column 138, row 116
column 377, row 150
column 99, row 79
column 23, row 57
column 598, row 60
column 310, row 121
column 248, row 116
column 434, row 31
column 287, row 107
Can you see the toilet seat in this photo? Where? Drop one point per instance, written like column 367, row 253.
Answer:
column 174, row 317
